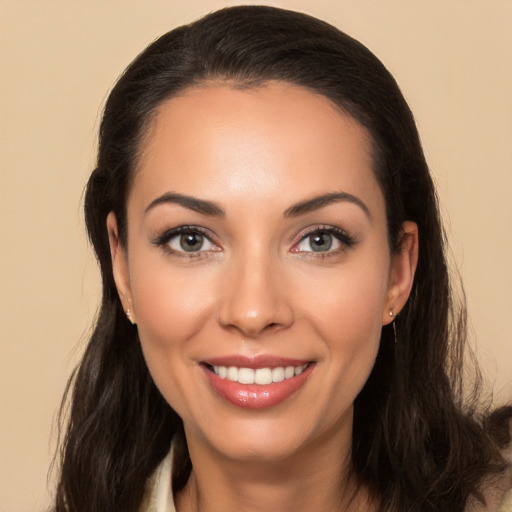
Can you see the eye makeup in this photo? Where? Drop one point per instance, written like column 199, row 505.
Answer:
column 189, row 241
column 186, row 242
column 323, row 241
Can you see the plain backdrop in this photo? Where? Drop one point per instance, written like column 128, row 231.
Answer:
column 58, row 60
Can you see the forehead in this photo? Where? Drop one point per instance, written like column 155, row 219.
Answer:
column 222, row 142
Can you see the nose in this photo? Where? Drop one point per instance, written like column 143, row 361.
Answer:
column 255, row 298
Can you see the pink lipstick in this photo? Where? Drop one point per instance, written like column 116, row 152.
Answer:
column 256, row 382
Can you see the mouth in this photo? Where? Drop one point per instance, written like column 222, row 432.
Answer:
column 256, row 384
column 259, row 376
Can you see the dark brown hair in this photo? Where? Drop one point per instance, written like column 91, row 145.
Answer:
column 416, row 446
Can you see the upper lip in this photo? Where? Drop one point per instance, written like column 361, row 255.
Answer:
column 254, row 362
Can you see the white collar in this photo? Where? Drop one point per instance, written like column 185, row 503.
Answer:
column 159, row 497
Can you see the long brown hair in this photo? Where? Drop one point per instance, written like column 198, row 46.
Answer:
column 417, row 444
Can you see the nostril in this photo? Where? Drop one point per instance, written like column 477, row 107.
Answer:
column 254, row 307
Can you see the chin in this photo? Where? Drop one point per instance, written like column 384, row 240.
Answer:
column 273, row 438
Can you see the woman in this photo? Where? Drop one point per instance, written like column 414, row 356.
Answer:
column 276, row 304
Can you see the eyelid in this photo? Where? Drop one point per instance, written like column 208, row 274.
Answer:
column 163, row 240
column 342, row 236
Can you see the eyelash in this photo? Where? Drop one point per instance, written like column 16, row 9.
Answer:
column 345, row 239
column 164, row 239
column 340, row 235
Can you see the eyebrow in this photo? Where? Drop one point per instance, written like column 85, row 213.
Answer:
column 323, row 200
column 192, row 203
column 214, row 210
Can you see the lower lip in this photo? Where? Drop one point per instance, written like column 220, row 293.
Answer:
column 256, row 396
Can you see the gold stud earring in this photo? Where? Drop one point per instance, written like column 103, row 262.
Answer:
column 129, row 316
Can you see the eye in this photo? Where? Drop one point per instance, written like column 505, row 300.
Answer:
column 186, row 239
column 318, row 242
column 189, row 242
column 324, row 240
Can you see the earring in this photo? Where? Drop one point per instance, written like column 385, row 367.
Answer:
column 392, row 315
column 129, row 316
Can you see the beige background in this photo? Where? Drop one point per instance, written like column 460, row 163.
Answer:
column 59, row 58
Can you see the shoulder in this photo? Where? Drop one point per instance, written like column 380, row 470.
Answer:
column 158, row 497
column 497, row 490
column 506, row 506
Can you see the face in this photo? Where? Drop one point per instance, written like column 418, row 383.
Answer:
column 258, row 268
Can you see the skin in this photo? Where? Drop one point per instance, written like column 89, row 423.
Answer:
column 257, row 287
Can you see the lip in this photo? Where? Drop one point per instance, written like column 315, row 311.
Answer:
column 254, row 362
column 255, row 396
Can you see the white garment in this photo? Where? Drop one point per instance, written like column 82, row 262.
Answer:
column 160, row 498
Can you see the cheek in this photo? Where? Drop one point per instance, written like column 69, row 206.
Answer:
column 171, row 306
column 347, row 314
column 170, row 303
column 170, row 311
column 350, row 304
column 353, row 336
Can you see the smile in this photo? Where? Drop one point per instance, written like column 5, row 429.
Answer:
column 260, row 376
column 256, row 383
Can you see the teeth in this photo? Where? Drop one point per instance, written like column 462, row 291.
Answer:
column 246, row 376
column 278, row 374
column 262, row 376
column 232, row 373
column 289, row 372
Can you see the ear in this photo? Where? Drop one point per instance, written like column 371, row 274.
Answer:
column 120, row 268
column 403, row 267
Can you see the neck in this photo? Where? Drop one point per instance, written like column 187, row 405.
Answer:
column 316, row 478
